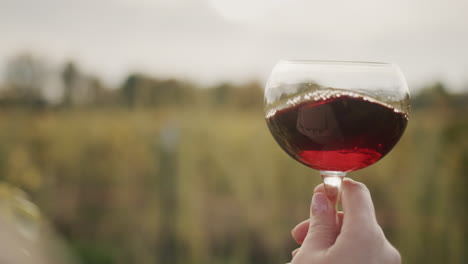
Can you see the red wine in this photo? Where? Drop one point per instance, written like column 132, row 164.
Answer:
column 337, row 133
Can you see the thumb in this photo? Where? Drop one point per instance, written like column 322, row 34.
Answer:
column 322, row 228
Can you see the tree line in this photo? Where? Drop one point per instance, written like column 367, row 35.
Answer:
column 28, row 81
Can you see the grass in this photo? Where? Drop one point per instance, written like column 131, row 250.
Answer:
column 204, row 186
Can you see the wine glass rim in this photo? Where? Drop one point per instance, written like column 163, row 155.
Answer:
column 337, row 62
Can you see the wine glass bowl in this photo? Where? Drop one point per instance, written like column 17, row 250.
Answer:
column 334, row 116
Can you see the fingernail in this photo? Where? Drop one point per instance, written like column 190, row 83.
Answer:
column 293, row 231
column 319, row 203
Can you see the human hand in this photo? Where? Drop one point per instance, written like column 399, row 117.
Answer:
column 349, row 237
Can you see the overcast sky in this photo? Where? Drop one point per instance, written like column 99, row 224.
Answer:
column 238, row 40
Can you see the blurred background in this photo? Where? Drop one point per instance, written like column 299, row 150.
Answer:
column 132, row 131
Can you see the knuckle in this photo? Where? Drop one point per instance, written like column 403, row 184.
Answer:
column 357, row 186
column 369, row 236
column 321, row 232
column 304, row 258
column 318, row 187
column 316, row 228
column 394, row 255
column 361, row 186
column 322, row 237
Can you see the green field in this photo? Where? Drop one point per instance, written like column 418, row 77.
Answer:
column 210, row 185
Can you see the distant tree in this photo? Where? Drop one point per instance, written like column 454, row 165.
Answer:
column 140, row 90
column 221, row 93
column 244, row 96
column 433, row 95
column 70, row 77
column 25, row 76
column 129, row 89
column 248, row 96
column 170, row 92
column 99, row 94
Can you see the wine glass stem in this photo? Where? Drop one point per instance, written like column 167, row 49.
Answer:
column 332, row 182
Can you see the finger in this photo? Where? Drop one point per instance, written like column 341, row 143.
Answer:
column 294, row 252
column 319, row 188
column 357, row 204
column 300, row 231
column 339, row 220
column 322, row 227
column 305, row 224
column 326, row 190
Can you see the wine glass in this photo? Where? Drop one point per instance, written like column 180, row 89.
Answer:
column 336, row 116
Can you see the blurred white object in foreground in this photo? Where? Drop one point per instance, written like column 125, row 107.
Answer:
column 25, row 237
